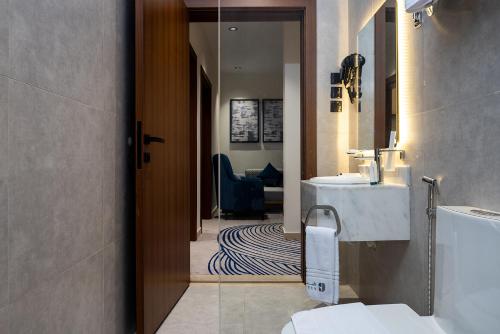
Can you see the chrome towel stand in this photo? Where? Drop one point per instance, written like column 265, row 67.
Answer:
column 326, row 208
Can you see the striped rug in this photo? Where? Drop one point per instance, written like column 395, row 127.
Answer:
column 255, row 250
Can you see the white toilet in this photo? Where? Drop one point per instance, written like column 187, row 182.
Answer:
column 467, row 281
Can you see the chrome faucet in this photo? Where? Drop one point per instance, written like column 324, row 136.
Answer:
column 378, row 158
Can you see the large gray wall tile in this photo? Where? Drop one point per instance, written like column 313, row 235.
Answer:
column 4, row 245
column 4, row 37
column 461, row 49
column 4, row 98
column 4, row 320
column 4, row 291
column 70, row 303
column 55, row 214
column 452, row 141
column 115, row 286
column 57, row 46
column 461, row 148
column 122, row 176
column 108, row 152
column 109, row 55
column 490, row 156
column 69, row 92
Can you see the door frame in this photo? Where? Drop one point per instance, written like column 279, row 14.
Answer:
column 206, row 174
column 278, row 10
column 303, row 11
column 205, row 145
column 380, row 139
column 193, row 147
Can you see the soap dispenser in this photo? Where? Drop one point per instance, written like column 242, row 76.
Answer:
column 373, row 173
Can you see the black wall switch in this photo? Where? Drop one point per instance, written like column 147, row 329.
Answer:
column 335, row 106
column 336, row 93
column 335, row 79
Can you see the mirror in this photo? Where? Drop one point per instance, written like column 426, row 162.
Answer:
column 377, row 95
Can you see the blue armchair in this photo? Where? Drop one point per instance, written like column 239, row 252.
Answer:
column 238, row 195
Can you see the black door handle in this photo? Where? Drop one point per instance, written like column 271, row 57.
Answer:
column 151, row 139
column 138, row 144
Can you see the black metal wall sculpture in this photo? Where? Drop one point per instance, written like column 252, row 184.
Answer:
column 350, row 73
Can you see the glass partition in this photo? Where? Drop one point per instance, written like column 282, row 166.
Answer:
column 259, row 129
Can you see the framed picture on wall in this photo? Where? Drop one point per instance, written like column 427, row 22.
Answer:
column 272, row 110
column 244, row 120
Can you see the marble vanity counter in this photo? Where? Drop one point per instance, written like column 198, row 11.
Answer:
column 367, row 213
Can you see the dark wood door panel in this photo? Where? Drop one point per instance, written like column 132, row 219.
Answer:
column 162, row 245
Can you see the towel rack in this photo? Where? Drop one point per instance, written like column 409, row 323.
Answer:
column 326, row 208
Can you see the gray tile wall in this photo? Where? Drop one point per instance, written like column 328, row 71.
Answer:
column 454, row 135
column 65, row 80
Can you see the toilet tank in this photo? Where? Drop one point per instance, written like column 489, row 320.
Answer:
column 467, row 276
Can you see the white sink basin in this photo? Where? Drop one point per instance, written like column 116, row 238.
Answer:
column 350, row 178
column 367, row 213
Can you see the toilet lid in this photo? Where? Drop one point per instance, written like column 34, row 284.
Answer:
column 396, row 318
column 400, row 318
column 288, row 329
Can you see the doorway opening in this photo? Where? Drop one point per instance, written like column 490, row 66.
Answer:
column 256, row 234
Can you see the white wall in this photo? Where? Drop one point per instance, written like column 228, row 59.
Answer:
column 332, row 47
column 199, row 39
column 291, row 124
column 251, row 86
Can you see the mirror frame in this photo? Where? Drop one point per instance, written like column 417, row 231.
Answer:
column 382, row 121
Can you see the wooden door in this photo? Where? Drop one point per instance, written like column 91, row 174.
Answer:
column 162, row 147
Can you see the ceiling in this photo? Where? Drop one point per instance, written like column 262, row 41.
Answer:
column 256, row 47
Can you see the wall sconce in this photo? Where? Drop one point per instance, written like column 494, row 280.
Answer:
column 416, row 7
column 350, row 72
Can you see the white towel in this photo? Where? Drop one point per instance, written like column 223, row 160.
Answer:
column 342, row 319
column 322, row 264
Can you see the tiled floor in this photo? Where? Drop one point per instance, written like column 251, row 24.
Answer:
column 239, row 308
column 235, row 308
column 206, row 245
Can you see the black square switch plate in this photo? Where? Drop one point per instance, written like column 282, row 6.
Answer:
column 335, row 79
column 335, row 106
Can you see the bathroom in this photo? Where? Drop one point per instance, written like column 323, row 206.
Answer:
column 435, row 138
column 81, row 83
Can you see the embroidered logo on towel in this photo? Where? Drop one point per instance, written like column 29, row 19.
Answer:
column 316, row 286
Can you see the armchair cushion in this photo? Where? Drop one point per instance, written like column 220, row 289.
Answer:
column 271, row 177
column 237, row 194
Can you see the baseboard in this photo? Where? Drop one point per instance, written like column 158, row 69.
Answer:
column 246, row 278
column 292, row 235
column 347, row 294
